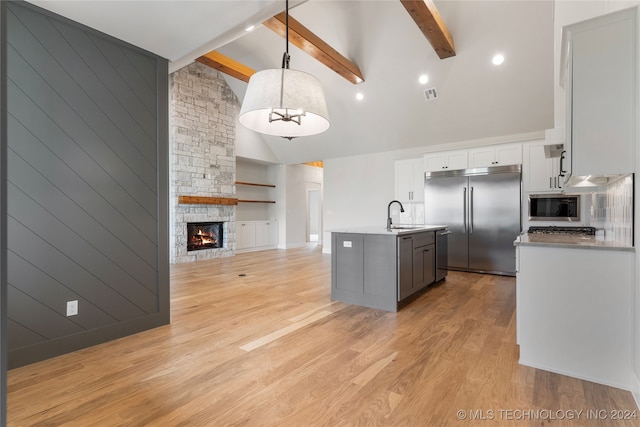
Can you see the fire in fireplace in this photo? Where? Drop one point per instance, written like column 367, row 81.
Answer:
column 204, row 235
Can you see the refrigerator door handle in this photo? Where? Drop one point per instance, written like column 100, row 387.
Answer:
column 471, row 211
column 464, row 208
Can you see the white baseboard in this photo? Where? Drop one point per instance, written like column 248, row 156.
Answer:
column 628, row 387
column 255, row 249
column 636, row 392
column 292, row 245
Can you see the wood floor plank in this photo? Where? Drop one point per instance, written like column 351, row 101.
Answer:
column 312, row 361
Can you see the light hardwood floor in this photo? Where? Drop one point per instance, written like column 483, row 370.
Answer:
column 270, row 348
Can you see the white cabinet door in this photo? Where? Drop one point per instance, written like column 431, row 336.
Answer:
column 482, row 157
column 417, row 194
column 601, row 112
column 509, row 154
column 539, row 173
column 495, row 155
column 445, row 160
column 245, row 235
column 272, row 233
column 404, row 179
column 410, row 180
column 435, row 162
column 572, row 309
column 457, row 159
column 266, row 233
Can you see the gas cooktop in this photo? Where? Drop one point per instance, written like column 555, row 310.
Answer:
column 575, row 230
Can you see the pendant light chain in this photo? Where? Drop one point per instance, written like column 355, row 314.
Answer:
column 286, row 58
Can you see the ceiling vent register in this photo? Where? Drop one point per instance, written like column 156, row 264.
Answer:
column 431, row 94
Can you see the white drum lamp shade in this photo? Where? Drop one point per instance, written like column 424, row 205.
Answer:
column 284, row 102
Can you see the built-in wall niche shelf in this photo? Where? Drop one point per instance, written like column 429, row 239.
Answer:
column 255, row 184
column 204, row 200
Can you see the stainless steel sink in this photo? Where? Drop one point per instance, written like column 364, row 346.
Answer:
column 406, row 227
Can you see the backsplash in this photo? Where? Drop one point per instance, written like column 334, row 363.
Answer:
column 612, row 210
column 413, row 213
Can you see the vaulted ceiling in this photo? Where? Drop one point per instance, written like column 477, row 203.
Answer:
column 476, row 99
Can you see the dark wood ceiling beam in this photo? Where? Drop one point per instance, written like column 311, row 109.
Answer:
column 304, row 39
column 426, row 16
column 226, row 65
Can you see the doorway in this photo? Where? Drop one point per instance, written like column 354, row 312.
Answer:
column 314, row 210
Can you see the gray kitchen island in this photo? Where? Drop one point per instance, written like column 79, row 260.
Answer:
column 383, row 268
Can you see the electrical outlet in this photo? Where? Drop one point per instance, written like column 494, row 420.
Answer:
column 72, row 308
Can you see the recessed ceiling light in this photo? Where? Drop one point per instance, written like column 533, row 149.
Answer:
column 423, row 79
column 359, row 96
column 250, row 28
column 498, row 59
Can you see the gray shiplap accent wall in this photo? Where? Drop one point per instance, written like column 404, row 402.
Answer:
column 87, row 186
column 3, row 215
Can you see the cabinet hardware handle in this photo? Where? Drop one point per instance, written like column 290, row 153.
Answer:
column 550, row 185
column 562, row 171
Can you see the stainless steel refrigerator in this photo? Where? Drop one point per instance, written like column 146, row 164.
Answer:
column 481, row 208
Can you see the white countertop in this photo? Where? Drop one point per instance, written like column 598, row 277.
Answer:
column 569, row 241
column 393, row 232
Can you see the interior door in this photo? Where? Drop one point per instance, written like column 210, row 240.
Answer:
column 494, row 222
column 445, row 203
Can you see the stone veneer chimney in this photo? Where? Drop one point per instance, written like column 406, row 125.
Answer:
column 202, row 119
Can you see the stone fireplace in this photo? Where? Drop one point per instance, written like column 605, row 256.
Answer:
column 203, row 113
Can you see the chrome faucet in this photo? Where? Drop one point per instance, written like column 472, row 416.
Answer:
column 389, row 212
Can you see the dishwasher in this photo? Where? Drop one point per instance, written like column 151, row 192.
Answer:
column 442, row 249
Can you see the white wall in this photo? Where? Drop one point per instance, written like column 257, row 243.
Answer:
column 249, row 171
column 251, row 145
column 356, row 191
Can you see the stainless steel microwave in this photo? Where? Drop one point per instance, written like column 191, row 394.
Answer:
column 554, row 207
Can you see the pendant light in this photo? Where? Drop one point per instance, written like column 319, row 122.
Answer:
column 284, row 102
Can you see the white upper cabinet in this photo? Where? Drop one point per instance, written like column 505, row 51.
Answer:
column 410, row 180
column 539, row 172
column 600, row 77
column 495, row 155
column 446, row 160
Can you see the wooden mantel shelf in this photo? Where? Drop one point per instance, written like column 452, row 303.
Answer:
column 203, row 200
